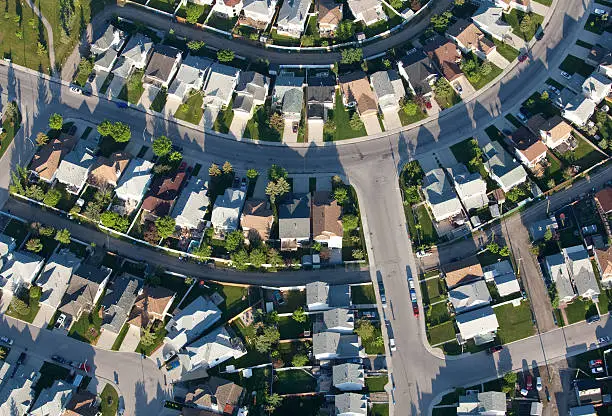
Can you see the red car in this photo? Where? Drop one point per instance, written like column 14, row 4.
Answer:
column 522, row 58
column 529, row 382
column 415, row 309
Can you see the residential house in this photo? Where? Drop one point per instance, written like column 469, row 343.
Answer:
column 502, row 274
column 529, row 149
column 554, row 132
column 83, row 403
column 502, row 168
column 213, row 349
column 581, row 271
column 469, row 38
column 326, row 220
column 256, row 220
column 191, row 322
column 321, row 97
column 216, row 394
column 357, row 92
column 470, row 187
column 462, row 271
column 112, row 38
column 118, row 302
column 85, row 290
column 226, row 211
column 333, row 345
column 348, row 377
column 603, row 259
column 163, row 65
column 292, row 18
column 285, row 81
column 104, row 62
column 351, row 404
column 579, row 110
column 447, row 57
column 418, row 70
column 329, row 16
column 559, row 274
column 538, row 229
column 228, row 9
column 440, row 195
column 293, row 103
column 7, row 244
column 470, row 296
column 597, row 55
column 106, row 171
column 508, row 5
column 321, row 296
column 603, row 199
column 388, row 88
column 18, row 270
column 47, row 158
column 294, row 221
column 55, row 277
column 604, row 65
column 136, row 54
column 16, row 393
column 488, row 18
column 586, row 410
column 152, row 304
column 367, row 11
column 222, row 80
column 588, row 391
column 134, row 182
column 162, row 194
column 190, row 77
column 52, row 401
column 259, row 13
column 192, row 204
column 339, row 320
column 488, row 403
column 479, row 324
column 597, row 87
column 73, row 170
column 251, row 91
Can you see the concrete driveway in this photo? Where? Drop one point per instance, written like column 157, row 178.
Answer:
column 288, row 135
column 97, row 82
column 300, row 183
column 371, row 124
column 149, row 94
column 239, row 123
column 466, row 87
column 106, row 340
column 315, row 131
column 131, row 340
column 115, row 87
column 210, row 115
column 44, row 316
column 172, row 104
column 391, row 119
column 498, row 60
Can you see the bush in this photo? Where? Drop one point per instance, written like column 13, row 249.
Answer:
column 52, row 198
column 56, row 121
column 350, row 222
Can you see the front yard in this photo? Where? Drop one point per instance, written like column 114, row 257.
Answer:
column 109, row 401
column 23, row 307
column 516, row 17
column 377, row 383
column 584, row 155
column 506, row 50
column 420, row 215
column 572, row 65
column 339, row 118
column 224, row 118
column 258, row 127
column 133, row 89
column 579, row 310
column 514, row 322
column 191, row 110
column 87, row 328
column 363, row 295
column 441, row 333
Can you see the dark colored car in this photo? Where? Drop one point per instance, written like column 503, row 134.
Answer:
column 121, row 104
column 494, row 349
column 592, row 319
column 539, row 35
column 415, row 309
column 92, row 76
column 522, row 58
column 58, row 359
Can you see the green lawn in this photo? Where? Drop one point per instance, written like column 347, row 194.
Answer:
column 191, row 110
column 283, row 40
column 120, row 337
column 437, row 314
column 376, row 383
column 10, row 129
column 301, row 405
column 290, row 329
column 572, row 65
column 163, row 5
column 447, row 100
column 31, row 311
column 506, row 50
column 253, row 357
column 257, row 127
column 487, row 258
column 516, row 16
column 379, row 409
column 221, row 23
column 544, row 2
column 363, row 295
column 294, row 381
column 23, row 51
column 441, row 333
column 537, row 105
column 133, row 89
column 109, row 401
column 595, row 24
column 341, row 116
column 87, row 328
column 159, row 102
column 579, row 310
column 584, row 155
column 514, row 322
column 293, row 300
column 484, row 80
column 569, row 237
column 406, row 119
column 224, row 119
column 427, row 232
column 160, row 333
column 236, row 298
column 433, row 290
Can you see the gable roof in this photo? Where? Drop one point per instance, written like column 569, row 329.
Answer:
column 52, row 400
column 217, row 391
column 462, row 271
column 470, row 36
column 137, row 49
column 190, row 75
column 418, row 68
column 351, row 404
column 386, row 92
column 294, row 217
column 604, row 259
column 356, row 88
column 328, row 12
column 47, row 158
column 162, row 193
column 162, row 62
column 338, row 318
column 559, row 274
column 227, row 208
column 119, row 301
column 326, row 216
column 293, row 13
column 530, row 146
column 150, row 305
column 581, row 269
column 107, row 171
column 192, row 204
column 257, row 218
column 254, row 84
column 82, row 289
column 110, row 37
column 579, row 109
column 55, row 277
column 489, row 19
column 470, row 296
column 74, row 168
column 192, row 321
column 82, row 403
column 343, row 346
column 347, row 373
column 440, row 194
column 317, row 292
column 293, row 101
column 18, row 268
column 501, row 164
column 468, row 184
column 321, row 89
column 220, row 84
column 448, row 58
column 7, row 244
column 213, row 348
column 477, row 322
column 135, row 180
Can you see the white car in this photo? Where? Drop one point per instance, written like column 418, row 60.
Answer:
column 554, row 89
column 411, row 284
column 539, row 383
column 599, row 12
column 423, row 253
column 458, row 88
column 565, row 75
column 522, row 117
column 60, row 321
column 524, row 392
column 6, row 340
column 392, row 344
column 75, row 90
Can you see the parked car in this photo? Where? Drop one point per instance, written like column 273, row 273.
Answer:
column 554, row 89
column 278, row 298
column 597, row 370
column 522, row 117
column 411, row 284
column 603, row 340
column 91, row 77
column 522, row 58
column 593, row 319
column 21, row 358
column 413, row 297
column 75, row 90
column 524, row 392
column 392, row 344
column 415, row 309
column 539, row 35
column 294, row 128
column 423, row 253
column 121, row 104
column 529, row 382
column 58, row 359
column 6, row 340
column 539, row 383
column 60, row 321
column 243, row 184
column 565, row 75
column 494, row 349
column 458, row 87
column 595, row 363
column 599, row 12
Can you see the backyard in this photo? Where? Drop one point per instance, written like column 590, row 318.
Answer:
column 294, row 381
column 514, row 322
column 302, row 406
column 291, row 329
column 584, row 155
column 221, row 23
column 191, row 110
column 133, row 89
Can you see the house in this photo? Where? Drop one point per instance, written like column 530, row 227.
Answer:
column 581, row 271
column 285, row 81
column 479, row 324
column 112, row 38
column 136, row 54
column 163, row 65
column 228, row 9
column 447, row 57
column 553, row 132
column 16, row 393
column 292, row 18
column 7, row 244
column 83, row 403
column 367, row 11
column 191, row 322
column 603, row 199
column 118, row 302
column 321, row 97
column 604, row 60
column 440, row 195
column 294, row 221
column 470, row 296
column 333, row 345
column 135, row 180
column 488, row 18
column 251, row 91
column 152, row 304
column 489, row 403
column 388, row 88
column 470, row 187
column 578, row 110
column 259, row 13
column 586, row 410
column 357, row 92
column 559, row 274
column 104, row 62
column 52, row 401
column 596, row 87
column 348, row 377
column 418, row 70
column 502, row 168
column 256, row 220
column 162, row 193
column 216, row 394
column 529, row 149
column 85, row 290
column 603, row 259
column 73, row 170
column 192, row 204
column 213, row 349
column 329, row 16
column 469, row 38
column 321, row 296
column 326, row 220
column 351, row 404
column 106, row 171
column 190, row 77
column 597, row 55
column 502, row 274
column 18, row 270
column 462, row 271
column 588, row 391
column 47, row 158
column 293, row 102
column 55, row 277
column 538, row 229
column 226, row 211
column 222, row 80
column 508, row 5
column 338, row 320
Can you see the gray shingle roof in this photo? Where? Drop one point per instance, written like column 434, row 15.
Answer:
column 347, row 373
column 470, row 296
column 119, row 301
column 344, row 346
column 192, row 204
column 294, row 217
column 440, row 194
column 317, row 292
column 338, row 317
column 557, row 269
column 501, row 164
column 189, row 76
column 351, row 404
column 581, row 270
column 293, row 101
column 418, row 67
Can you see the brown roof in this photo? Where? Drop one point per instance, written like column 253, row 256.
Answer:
column 227, row 395
column 448, row 59
column 326, row 215
column 161, row 63
column 258, row 218
column 48, row 157
column 162, row 193
column 329, row 12
column 82, row 403
column 150, row 305
column 462, row 271
column 356, row 87
column 604, row 258
column 473, row 38
column 556, row 128
column 528, row 144
column 604, row 198
column 106, row 171
column 231, row 3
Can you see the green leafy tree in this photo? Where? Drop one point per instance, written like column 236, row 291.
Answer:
column 277, row 122
column 56, row 121
column 35, row 192
column 46, row 231
column 440, row 22
column 19, row 177
column 35, row 292
column 175, row 157
column 41, row 49
column 299, row 315
column 411, row 195
column 358, row 254
column 63, row 236
column 105, row 128
column 341, row 195
column 352, row 55
column 34, row 245
column 364, row 329
column 493, row 247
column 350, row 222
column 165, row 226
column 162, row 146
column 203, row 251
column 252, row 174
column 240, row 259
column 509, row 384
column 148, row 337
column 214, row 170
column 410, row 107
column 257, row 257
column 52, row 198
column 265, row 340
column 277, row 188
column 42, row 139
column 225, row 55
column 299, row 360
column 19, row 307
column 544, row 96
column 274, row 258
column 526, row 25
column 233, row 241
column 275, row 172
column 195, row 45
column 548, row 235
column 504, row 251
column 227, row 168
column 121, row 132
column 193, row 12
column 346, row 30
column 272, row 402
column 355, row 122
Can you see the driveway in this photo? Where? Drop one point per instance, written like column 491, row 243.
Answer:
column 288, row 135
column 210, row 115
column 172, row 104
column 97, row 82
column 44, row 316
column 239, row 123
column 498, row 60
column 106, row 340
column 371, row 124
column 300, row 183
column 115, row 87
column 391, row 119
column 149, row 94
column 466, row 87
column 315, row 131
column 131, row 340
column 5, row 301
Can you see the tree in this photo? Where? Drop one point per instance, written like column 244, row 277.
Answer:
column 355, row 122
column 299, row 315
column 162, row 145
column 442, row 87
column 459, row 2
column 485, row 68
column 233, row 241
column 277, row 188
column 526, row 25
column 214, row 170
column 410, row 107
column 544, row 96
column 276, row 172
column 307, row 41
column 601, row 117
column 440, row 22
column 350, row 222
column 41, row 49
column 175, row 157
column 411, row 195
column 351, row 55
column 509, row 384
column 151, row 235
column 42, row 139
column 52, row 198
column 115, row 221
column 195, row 45
column 165, row 226
column 277, row 122
column 299, row 360
column 548, row 235
column 273, row 401
column 493, row 247
column 202, row 252
column 19, row 306
column 396, row 4
column 240, row 259
column 105, row 128
column 568, row 172
column 193, row 13
column 364, row 329
column 274, row 258
column 63, row 236
column 148, row 336
column 346, row 30
column 35, row 192
column 56, row 121
column 46, row 231
column 19, row 177
column 252, row 173
column 121, row 132
column 504, row 251
column 257, row 257
column 341, row 195
column 225, row 55
column 34, row 245
column 227, row 168
column 35, row 292
column 268, row 337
